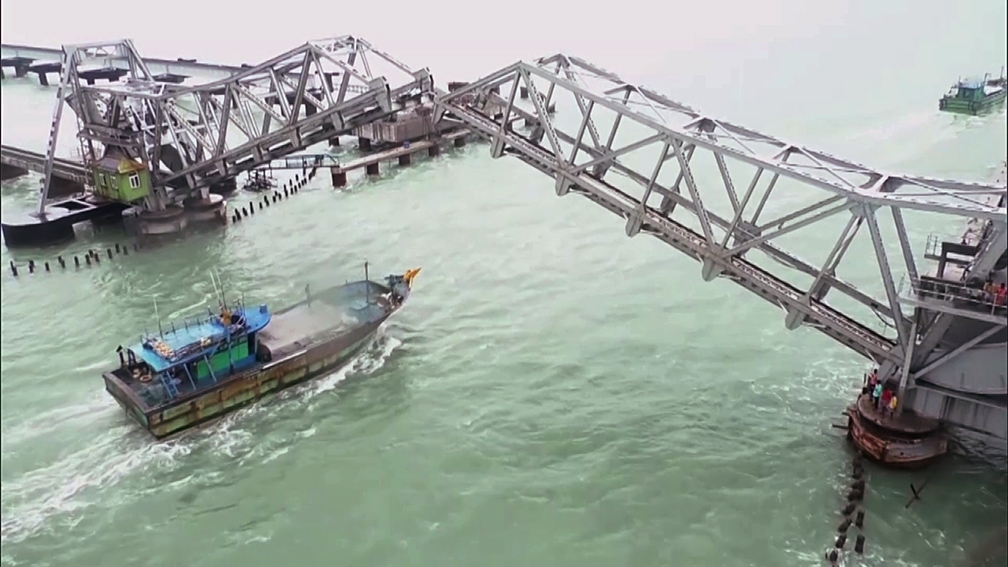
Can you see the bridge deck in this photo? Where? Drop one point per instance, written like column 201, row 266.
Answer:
column 40, row 56
column 34, row 161
column 396, row 152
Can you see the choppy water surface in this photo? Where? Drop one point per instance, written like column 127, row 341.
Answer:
column 552, row 394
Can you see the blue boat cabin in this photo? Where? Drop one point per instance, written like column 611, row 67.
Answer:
column 196, row 356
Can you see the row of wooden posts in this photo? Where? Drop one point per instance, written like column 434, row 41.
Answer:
column 295, row 186
column 853, row 514
column 92, row 257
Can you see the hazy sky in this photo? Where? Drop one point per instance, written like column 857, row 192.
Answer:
column 470, row 35
column 738, row 59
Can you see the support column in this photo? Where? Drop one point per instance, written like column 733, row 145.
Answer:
column 372, row 168
column 338, row 177
column 434, row 150
column 460, row 141
column 364, row 144
column 334, row 142
column 405, row 159
column 43, row 79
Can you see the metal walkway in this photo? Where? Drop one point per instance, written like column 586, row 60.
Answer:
column 204, row 134
column 700, row 212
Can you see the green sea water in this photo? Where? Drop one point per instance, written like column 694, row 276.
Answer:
column 553, row 393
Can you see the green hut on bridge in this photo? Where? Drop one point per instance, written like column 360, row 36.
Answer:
column 120, row 178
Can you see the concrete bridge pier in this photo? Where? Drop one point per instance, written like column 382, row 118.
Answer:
column 59, row 187
column 170, row 220
column 43, row 70
column 20, row 65
column 205, row 208
column 11, row 172
column 338, row 177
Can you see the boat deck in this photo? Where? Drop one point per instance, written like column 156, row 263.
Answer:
column 320, row 318
column 302, row 324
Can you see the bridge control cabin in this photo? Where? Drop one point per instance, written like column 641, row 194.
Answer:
column 120, row 178
column 951, row 281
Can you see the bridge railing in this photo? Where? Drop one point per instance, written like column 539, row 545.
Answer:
column 955, row 293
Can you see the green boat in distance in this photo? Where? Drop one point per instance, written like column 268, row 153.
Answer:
column 202, row 369
column 974, row 96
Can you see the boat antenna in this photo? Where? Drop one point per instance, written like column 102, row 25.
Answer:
column 221, row 286
column 213, row 283
column 158, row 316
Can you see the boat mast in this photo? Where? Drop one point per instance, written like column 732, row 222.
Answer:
column 158, row 317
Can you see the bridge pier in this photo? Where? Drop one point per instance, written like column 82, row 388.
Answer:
column 338, row 177
column 206, row 209
column 11, row 172
column 405, row 159
column 224, row 187
column 364, row 144
column 20, row 65
column 372, row 169
column 170, row 220
column 43, row 69
column 59, row 187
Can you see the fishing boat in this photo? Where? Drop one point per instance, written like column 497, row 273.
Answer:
column 259, row 181
column 201, row 369
column 975, row 96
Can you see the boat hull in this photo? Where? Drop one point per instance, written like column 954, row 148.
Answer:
column 312, row 361
column 959, row 106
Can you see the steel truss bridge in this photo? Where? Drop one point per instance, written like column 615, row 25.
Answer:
column 193, row 136
column 756, row 193
column 721, row 215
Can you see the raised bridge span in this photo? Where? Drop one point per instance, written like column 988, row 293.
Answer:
column 925, row 329
column 946, row 350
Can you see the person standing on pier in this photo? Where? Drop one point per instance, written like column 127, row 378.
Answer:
column 876, row 393
column 886, row 397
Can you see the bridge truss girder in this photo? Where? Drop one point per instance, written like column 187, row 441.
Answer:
column 584, row 161
column 216, row 130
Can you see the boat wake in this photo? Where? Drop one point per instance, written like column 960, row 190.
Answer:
column 55, row 498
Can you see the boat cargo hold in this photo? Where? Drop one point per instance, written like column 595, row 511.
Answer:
column 202, row 369
column 974, row 96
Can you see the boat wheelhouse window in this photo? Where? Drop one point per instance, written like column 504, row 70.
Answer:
column 134, row 180
column 101, row 180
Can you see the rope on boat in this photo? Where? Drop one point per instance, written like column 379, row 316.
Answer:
column 853, row 513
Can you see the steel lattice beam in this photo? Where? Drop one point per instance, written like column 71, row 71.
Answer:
column 195, row 136
column 707, row 218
